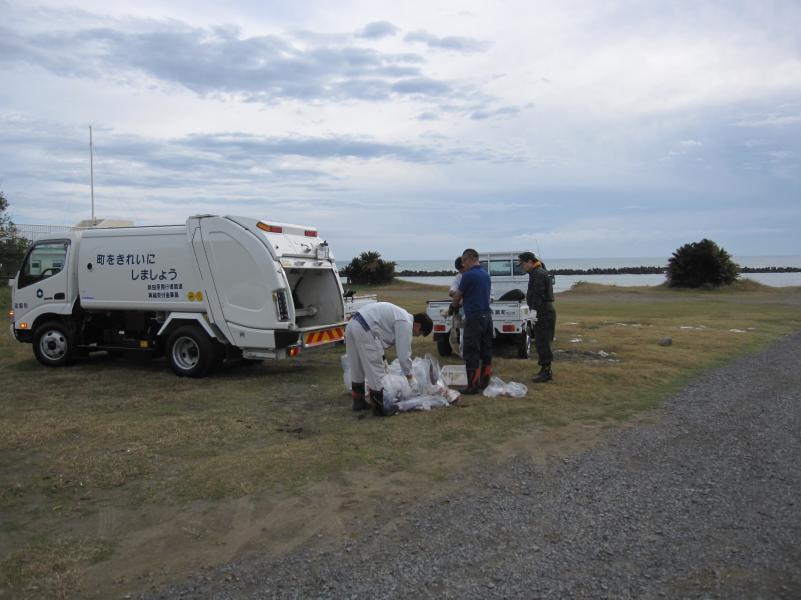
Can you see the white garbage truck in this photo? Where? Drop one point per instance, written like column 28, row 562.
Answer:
column 216, row 287
column 512, row 319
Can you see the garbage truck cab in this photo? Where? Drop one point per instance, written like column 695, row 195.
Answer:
column 197, row 293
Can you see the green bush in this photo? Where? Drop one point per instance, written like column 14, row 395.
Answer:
column 369, row 268
column 700, row 264
column 12, row 244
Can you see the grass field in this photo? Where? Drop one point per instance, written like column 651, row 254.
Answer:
column 117, row 475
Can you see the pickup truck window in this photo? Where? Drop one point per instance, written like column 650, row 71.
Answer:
column 500, row 268
column 44, row 260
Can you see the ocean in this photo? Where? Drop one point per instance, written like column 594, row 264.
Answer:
column 565, row 282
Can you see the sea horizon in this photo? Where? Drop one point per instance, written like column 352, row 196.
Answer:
column 753, row 261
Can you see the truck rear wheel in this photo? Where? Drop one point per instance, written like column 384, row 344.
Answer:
column 524, row 343
column 190, row 351
column 53, row 344
column 443, row 344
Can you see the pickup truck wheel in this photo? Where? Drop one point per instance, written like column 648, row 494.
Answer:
column 190, row 351
column 53, row 344
column 524, row 343
column 443, row 344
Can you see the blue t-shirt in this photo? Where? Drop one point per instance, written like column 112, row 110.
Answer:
column 475, row 287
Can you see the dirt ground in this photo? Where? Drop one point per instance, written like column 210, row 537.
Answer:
column 167, row 544
column 158, row 542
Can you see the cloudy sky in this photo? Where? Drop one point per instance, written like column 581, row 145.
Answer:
column 593, row 128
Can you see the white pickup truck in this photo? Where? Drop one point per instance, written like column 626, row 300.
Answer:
column 512, row 319
column 196, row 293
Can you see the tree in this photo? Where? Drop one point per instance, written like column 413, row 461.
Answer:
column 699, row 264
column 12, row 244
column 369, row 268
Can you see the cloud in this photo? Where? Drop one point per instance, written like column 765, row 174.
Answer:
column 770, row 120
column 452, row 43
column 222, row 61
column 480, row 115
column 377, row 30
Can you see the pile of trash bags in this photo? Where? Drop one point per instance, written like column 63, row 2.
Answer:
column 426, row 390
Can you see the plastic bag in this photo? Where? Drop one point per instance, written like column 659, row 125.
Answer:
column 498, row 387
column 422, row 403
column 396, row 387
column 425, row 374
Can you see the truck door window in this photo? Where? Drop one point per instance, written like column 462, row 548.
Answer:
column 43, row 260
column 516, row 268
column 500, row 268
column 484, row 265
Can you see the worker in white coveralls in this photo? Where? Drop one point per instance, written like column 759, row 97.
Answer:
column 370, row 331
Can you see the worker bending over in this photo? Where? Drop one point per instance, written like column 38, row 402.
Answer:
column 370, row 331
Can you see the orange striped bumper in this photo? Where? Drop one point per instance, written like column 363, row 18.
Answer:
column 323, row 336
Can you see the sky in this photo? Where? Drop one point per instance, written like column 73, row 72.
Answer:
column 606, row 128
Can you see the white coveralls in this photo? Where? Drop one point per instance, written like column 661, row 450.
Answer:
column 389, row 325
column 458, row 319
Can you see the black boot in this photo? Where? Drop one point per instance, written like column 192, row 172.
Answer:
column 379, row 409
column 486, row 374
column 357, row 393
column 473, row 380
column 544, row 375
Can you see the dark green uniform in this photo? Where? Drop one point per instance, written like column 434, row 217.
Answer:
column 540, row 298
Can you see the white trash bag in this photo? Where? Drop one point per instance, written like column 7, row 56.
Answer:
column 498, row 387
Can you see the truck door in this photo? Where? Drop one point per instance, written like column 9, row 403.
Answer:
column 243, row 272
column 43, row 278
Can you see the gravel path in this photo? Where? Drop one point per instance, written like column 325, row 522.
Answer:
column 704, row 503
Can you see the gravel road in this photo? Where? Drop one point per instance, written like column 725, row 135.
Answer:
column 701, row 503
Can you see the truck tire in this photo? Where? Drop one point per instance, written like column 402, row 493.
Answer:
column 190, row 351
column 53, row 344
column 443, row 344
column 524, row 343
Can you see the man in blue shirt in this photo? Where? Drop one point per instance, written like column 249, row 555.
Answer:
column 474, row 294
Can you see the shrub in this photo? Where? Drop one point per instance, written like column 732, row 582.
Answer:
column 699, row 264
column 369, row 268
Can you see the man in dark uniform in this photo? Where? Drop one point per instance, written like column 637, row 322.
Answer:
column 474, row 295
column 540, row 298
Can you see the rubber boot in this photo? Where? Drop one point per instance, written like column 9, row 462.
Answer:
column 486, row 374
column 357, row 393
column 544, row 375
column 377, row 400
column 473, row 379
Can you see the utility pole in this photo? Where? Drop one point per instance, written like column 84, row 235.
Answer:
column 92, row 173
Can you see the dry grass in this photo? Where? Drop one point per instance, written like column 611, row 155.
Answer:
column 129, row 435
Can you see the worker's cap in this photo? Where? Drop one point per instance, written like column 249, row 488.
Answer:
column 527, row 256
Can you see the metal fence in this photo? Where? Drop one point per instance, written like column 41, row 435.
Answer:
column 32, row 232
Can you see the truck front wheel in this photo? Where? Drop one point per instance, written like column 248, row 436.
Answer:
column 190, row 351
column 52, row 344
column 443, row 344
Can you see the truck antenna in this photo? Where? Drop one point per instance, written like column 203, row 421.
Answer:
column 92, row 174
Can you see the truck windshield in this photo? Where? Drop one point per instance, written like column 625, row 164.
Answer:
column 44, row 260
